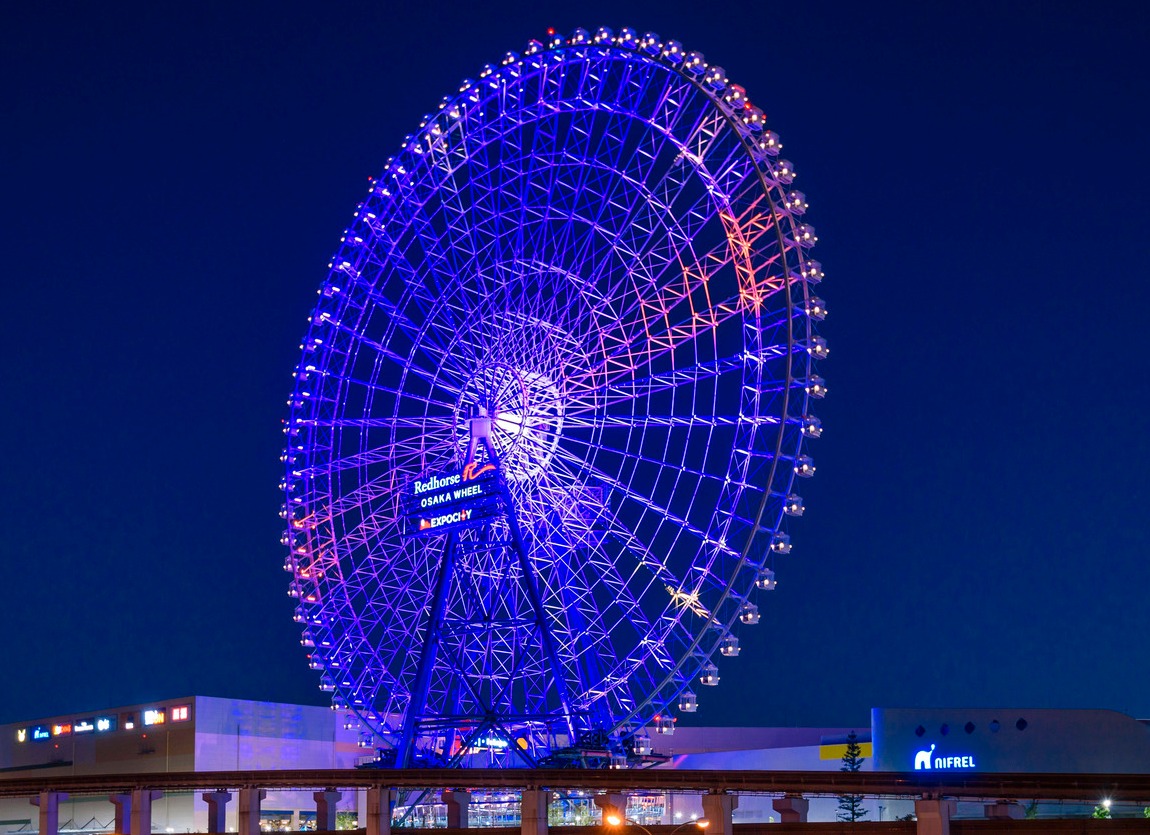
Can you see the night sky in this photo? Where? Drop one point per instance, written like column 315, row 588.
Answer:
column 175, row 176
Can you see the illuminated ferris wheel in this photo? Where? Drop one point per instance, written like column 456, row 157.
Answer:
column 552, row 406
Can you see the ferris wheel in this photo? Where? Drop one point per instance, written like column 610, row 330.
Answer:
column 552, row 405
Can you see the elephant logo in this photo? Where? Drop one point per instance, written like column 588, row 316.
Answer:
column 922, row 758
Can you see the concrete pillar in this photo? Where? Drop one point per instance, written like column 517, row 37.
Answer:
column 49, row 803
column 533, row 812
column 718, row 808
column 379, row 804
column 140, row 819
column 792, row 808
column 934, row 816
column 325, row 809
column 1005, row 810
column 456, row 801
column 217, row 810
column 249, row 816
column 123, row 804
column 612, row 803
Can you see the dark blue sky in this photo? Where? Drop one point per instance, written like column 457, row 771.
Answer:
column 174, row 178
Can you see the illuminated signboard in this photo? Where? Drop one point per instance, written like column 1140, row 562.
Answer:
column 62, row 729
column 180, row 713
column 105, row 723
column 442, row 501
column 925, row 759
column 84, row 726
column 154, row 716
column 22, row 735
column 41, row 732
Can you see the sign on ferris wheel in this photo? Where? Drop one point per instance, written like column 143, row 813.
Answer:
column 440, row 502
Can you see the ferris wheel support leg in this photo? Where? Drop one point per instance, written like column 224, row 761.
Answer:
column 452, row 734
column 545, row 636
column 418, row 703
column 586, row 662
column 532, row 586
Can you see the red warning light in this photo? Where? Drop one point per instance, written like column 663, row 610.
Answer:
column 550, row 30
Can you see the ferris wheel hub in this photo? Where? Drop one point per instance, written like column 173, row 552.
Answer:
column 520, row 412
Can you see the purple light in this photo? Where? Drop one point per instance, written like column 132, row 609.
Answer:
column 587, row 270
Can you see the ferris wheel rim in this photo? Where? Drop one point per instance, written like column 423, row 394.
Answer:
column 691, row 657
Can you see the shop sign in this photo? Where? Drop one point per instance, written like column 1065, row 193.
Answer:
column 925, row 760
column 459, row 498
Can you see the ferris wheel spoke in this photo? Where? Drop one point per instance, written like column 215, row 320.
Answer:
column 407, row 395
column 619, row 366
column 663, row 421
column 435, row 338
column 368, row 494
column 607, row 571
column 431, row 341
column 645, row 559
column 627, row 390
column 625, row 605
column 431, row 376
column 645, row 502
column 361, row 293
column 654, row 201
column 427, row 338
column 649, row 261
column 661, row 309
column 396, row 451
column 390, row 422
column 655, row 236
column 639, row 458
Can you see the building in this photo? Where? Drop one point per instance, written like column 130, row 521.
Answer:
column 211, row 734
column 176, row 735
column 1010, row 740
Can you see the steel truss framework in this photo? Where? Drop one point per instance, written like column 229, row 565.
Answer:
column 596, row 245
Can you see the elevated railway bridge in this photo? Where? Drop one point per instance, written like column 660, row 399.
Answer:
column 934, row 795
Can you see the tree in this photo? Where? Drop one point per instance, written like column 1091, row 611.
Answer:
column 851, row 805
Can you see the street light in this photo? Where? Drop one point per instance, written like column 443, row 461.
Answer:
column 615, row 820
